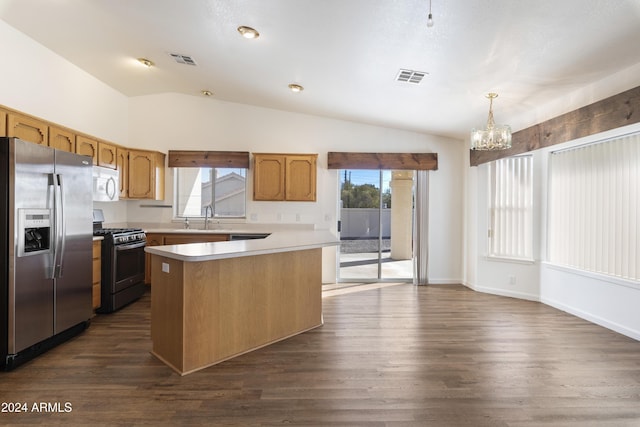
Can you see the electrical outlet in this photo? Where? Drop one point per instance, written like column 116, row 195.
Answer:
column 297, row 217
column 512, row 280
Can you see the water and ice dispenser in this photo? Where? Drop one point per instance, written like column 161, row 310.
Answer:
column 35, row 231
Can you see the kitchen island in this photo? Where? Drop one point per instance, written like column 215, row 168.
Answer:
column 214, row 301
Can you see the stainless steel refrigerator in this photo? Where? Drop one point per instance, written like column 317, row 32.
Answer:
column 46, row 237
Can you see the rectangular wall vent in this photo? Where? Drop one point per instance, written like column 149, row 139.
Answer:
column 183, row 59
column 410, row 76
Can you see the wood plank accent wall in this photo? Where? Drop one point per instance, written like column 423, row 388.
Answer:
column 610, row 113
column 397, row 161
column 212, row 159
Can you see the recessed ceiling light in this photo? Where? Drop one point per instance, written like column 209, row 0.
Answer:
column 146, row 62
column 295, row 87
column 206, row 92
column 248, row 32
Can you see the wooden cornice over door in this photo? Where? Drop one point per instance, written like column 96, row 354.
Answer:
column 211, row 159
column 396, row 161
column 616, row 111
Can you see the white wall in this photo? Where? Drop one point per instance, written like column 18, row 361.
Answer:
column 608, row 302
column 173, row 121
column 45, row 85
column 37, row 81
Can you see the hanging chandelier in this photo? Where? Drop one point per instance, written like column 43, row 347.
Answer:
column 494, row 137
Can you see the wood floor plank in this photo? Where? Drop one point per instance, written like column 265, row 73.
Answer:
column 386, row 356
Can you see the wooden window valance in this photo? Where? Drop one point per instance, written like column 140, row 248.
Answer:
column 610, row 113
column 211, row 159
column 397, row 161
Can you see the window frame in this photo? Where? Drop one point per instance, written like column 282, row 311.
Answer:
column 177, row 215
column 517, row 217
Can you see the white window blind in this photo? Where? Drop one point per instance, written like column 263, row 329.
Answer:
column 594, row 207
column 512, row 208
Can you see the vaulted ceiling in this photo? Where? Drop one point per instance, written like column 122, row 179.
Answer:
column 347, row 53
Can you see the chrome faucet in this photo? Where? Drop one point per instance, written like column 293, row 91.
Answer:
column 207, row 210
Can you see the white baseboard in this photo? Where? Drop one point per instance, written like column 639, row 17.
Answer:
column 503, row 292
column 593, row 319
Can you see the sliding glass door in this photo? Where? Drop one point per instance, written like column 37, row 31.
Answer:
column 376, row 217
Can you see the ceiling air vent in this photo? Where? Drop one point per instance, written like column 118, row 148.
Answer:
column 410, row 76
column 183, row 59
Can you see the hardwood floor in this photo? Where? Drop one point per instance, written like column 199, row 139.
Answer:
column 394, row 355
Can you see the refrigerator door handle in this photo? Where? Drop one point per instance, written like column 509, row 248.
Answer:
column 53, row 184
column 61, row 238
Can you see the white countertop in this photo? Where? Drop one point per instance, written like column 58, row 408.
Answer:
column 278, row 241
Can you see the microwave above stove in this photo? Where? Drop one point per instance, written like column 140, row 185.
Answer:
column 106, row 187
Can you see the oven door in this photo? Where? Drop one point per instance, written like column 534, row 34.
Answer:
column 129, row 265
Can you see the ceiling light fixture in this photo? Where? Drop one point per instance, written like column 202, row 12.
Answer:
column 430, row 17
column 147, row 63
column 248, row 32
column 295, row 87
column 206, row 92
column 494, row 137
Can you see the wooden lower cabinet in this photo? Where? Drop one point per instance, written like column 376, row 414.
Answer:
column 97, row 273
column 159, row 239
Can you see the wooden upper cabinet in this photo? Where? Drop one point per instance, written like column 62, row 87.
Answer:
column 62, row 139
column 284, row 177
column 122, row 165
column 300, row 178
column 146, row 174
column 3, row 123
column 268, row 177
column 88, row 147
column 107, row 155
column 27, row 128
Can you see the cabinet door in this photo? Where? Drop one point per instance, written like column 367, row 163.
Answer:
column 268, row 177
column 141, row 174
column 62, row 139
column 3, row 123
column 300, row 178
column 153, row 239
column 87, row 147
column 106, row 155
column 122, row 165
column 97, row 272
column 27, row 128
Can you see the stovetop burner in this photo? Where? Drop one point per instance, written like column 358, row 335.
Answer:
column 120, row 236
column 105, row 231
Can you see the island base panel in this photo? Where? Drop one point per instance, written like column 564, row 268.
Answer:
column 205, row 312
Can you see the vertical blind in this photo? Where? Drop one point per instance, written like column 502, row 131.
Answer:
column 594, row 207
column 512, row 208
